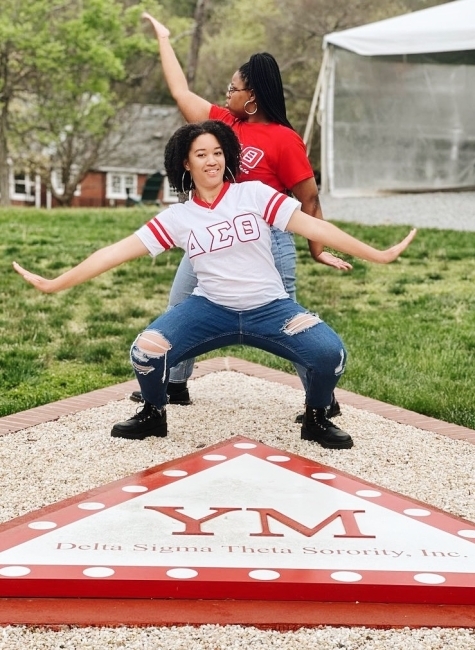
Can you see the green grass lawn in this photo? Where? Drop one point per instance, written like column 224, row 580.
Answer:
column 409, row 327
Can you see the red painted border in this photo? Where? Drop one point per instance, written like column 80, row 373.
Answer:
column 282, row 616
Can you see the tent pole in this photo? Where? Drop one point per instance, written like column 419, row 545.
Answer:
column 307, row 137
column 325, row 111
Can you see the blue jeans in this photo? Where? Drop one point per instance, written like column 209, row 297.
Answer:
column 197, row 325
column 285, row 258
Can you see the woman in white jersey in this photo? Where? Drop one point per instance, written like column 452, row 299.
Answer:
column 272, row 152
column 225, row 229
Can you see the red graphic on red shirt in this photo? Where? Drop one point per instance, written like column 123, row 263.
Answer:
column 250, row 157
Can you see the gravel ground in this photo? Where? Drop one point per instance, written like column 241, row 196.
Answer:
column 62, row 457
column 446, row 210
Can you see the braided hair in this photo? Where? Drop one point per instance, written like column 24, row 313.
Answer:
column 262, row 74
column 179, row 145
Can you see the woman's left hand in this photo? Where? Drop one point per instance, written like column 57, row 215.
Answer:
column 332, row 260
column 391, row 254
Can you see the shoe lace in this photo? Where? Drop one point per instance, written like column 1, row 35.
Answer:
column 320, row 419
column 147, row 411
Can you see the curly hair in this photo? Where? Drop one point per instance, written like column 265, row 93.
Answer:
column 262, row 74
column 179, row 145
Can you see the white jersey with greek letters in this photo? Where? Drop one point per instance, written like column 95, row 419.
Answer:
column 228, row 243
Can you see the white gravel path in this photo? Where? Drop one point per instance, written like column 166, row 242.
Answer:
column 76, row 453
column 446, row 210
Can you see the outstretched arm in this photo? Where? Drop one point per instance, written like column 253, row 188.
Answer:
column 102, row 260
column 307, row 193
column 193, row 107
column 329, row 235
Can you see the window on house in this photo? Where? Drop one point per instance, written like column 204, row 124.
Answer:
column 169, row 194
column 58, row 185
column 118, row 184
column 22, row 187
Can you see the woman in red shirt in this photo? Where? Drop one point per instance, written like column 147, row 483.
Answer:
column 272, row 152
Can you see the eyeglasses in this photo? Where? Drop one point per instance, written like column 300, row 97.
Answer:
column 231, row 89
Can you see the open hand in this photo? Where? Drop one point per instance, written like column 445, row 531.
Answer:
column 160, row 30
column 40, row 283
column 332, row 260
column 393, row 253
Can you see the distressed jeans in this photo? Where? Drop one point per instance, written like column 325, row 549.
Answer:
column 283, row 250
column 282, row 327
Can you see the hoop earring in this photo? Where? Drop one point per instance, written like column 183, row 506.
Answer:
column 188, row 191
column 231, row 174
column 250, row 101
column 183, row 191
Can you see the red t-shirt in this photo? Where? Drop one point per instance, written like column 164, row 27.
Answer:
column 271, row 153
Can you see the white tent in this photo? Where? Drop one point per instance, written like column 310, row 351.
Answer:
column 396, row 103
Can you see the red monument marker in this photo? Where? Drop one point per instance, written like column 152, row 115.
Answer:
column 241, row 521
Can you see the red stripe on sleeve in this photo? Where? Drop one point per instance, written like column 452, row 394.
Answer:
column 160, row 234
column 269, row 205
column 273, row 207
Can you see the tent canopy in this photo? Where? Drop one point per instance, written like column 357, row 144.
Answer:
column 395, row 103
column 449, row 27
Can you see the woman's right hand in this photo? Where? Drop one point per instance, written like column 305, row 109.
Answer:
column 160, row 30
column 193, row 107
column 40, row 283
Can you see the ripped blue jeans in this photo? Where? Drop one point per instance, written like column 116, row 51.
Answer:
column 285, row 258
column 196, row 326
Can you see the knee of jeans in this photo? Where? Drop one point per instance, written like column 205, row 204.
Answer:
column 148, row 346
column 340, row 367
column 301, row 323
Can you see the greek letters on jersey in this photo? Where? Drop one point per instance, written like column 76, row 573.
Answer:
column 229, row 246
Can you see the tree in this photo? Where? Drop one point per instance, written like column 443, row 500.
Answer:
column 291, row 30
column 199, row 22
column 63, row 78
column 19, row 41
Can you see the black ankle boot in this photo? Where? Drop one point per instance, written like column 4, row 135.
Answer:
column 332, row 411
column 178, row 393
column 150, row 421
column 181, row 396
column 316, row 427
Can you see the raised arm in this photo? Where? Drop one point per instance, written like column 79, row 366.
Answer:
column 102, row 260
column 329, row 235
column 193, row 107
column 307, row 193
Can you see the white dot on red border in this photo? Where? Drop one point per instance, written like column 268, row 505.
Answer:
column 417, row 512
column 429, row 578
column 14, row 571
column 42, row 525
column 368, row 493
column 98, row 572
column 278, row 459
column 245, row 445
column 323, row 476
column 135, row 488
column 91, row 506
column 470, row 534
column 214, row 457
column 182, row 574
column 346, row 576
column 175, row 472
column 264, row 574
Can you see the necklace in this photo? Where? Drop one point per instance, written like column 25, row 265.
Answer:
column 210, row 205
